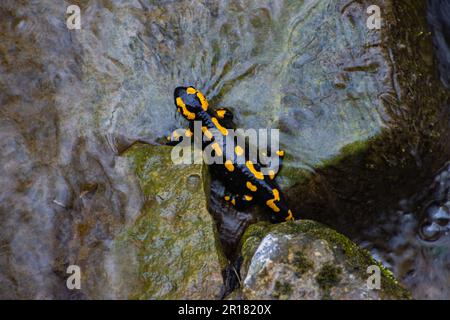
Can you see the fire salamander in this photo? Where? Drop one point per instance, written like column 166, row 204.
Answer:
column 244, row 182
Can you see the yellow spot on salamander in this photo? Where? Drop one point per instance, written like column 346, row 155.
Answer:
column 271, row 174
column 290, row 216
column 248, row 198
column 207, row 133
column 251, row 186
column 203, row 100
column 229, row 165
column 188, row 133
column 239, row 151
column 217, row 149
column 219, row 127
column 180, row 103
column 258, row 175
column 189, row 115
column 191, row 90
column 276, row 194
column 233, row 202
column 221, row 113
column 280, row 153
column 271, row 203
column 227, row 198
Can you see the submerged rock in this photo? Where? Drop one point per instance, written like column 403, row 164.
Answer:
column 176, row 249
column 312, row 69
column 400, row 139
column 306, row 260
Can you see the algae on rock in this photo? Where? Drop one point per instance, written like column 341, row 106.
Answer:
column 179, row 255
column 306, row 260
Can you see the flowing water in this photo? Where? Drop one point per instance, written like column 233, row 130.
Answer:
column 72, row 101
column 413, row 238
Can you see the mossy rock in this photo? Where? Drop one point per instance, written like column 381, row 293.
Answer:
column 405, row 142
column 175, row 238
column 306, row 260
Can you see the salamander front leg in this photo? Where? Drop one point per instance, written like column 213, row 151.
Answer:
column 224, row 113
column 177, row 135
column 225, row 116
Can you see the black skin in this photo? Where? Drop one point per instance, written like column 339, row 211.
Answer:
column 189, row 104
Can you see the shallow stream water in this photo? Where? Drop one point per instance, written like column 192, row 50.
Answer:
column 413, row 237
column 71, row 103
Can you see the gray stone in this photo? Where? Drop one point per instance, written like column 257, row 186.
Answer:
column 306, row 260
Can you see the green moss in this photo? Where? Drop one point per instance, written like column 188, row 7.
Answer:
column 282, row 290
column 301, row 263
column 303, row 176
column 290, row 174
column 329, row 276
column 356, row 258
column 349, row 150
column 178, row 248
column 257, row 230
column 251, row 240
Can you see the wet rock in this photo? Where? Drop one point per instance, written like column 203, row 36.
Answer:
column 326, row 84
column 413, row 239
column 310, row 68
column 391, row 123
column 173, row 243
column 306, row 260
column 438, row 12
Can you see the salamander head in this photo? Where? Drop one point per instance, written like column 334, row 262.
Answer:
column 189, row 102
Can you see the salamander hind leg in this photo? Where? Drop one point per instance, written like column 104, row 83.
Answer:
column 289, row 216
column 224, row 113
column 240, row 202
column 278, row 206
column 225, row 117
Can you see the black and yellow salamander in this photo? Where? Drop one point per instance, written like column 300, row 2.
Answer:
column 244, row 182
